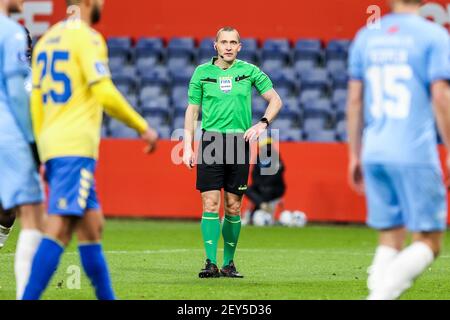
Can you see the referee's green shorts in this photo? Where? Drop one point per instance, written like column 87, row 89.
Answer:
column 223, row 162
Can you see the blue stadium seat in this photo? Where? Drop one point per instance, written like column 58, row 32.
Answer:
column 145, row 63
column 249, row 44
column 341, row 127
column 118, row 56
column 278, row 49
column 179, row 106
column 314, row 124
column 281, row 123
column 283, row 78
column 322, row 104
column 149, row 47
column 182, row 76
column 119, row 42
column 156, row 106
column 116, row 63
column 341, row 115
column 124, row 83
column 181, row 47
column 158, row 75
column 133, row 101
column 175, row 64
column 119, row 130
column 321, row 136
column 284, row 92
column 292, row 104
column 119, row 49
column 291, row 135
column 151, row 91
column 335, row 66
column 302, row 66
column 149, row 51
column 206, row 50
column 271, row 65
column 104, row 131
column 308, row 95
column 338, row 97
column 342, row 137
column 164, row 132
column 249, row 57
column 341, row 130
column 340, row 106
column 155, row 121
column 308, row 49
column 338, row 49
column 249, row 50
column 178, row 123
column 259, row 104
column 127, row 70
column 314, row 79
column 339, row 80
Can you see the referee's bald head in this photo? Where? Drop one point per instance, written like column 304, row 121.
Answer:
column 227, row 29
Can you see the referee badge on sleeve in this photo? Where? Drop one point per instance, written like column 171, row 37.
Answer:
column 226, row 84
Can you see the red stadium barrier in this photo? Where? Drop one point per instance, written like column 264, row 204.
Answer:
column 291, row 19
column 132, row 184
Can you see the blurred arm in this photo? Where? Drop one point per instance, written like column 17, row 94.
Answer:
column 274, row 106
column 355, row 120
column 117, row 106
column 20, row 104
column 440, row 91
column 190, row 121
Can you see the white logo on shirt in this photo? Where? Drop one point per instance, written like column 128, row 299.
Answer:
column 226, row 84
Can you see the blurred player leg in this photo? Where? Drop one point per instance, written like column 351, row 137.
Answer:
column 21, row 189
column 407, row 266
column 7, row 218
column 89, row 232
column 30, row 236
column 58, row 233
column 390, row 244
column 422, row 197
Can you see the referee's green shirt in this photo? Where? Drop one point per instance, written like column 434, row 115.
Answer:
column 226, row 95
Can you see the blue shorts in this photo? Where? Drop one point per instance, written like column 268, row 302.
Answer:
column 72, row 186
column 20, row 183
column 414, row 197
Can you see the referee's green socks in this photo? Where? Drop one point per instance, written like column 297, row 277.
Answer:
column 211, row 233
column 230, row 231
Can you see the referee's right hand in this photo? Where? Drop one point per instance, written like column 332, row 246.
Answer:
column 188, row 158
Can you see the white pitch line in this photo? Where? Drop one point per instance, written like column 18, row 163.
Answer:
column 172, row 251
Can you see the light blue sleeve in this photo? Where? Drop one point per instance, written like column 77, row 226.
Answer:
column 355, row 58
column 20, row 104
column 439, row 57
column 15, row 58
column 16, row 69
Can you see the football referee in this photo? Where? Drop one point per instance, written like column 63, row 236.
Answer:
column 223, row 89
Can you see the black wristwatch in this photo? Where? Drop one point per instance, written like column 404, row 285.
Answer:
column 264, row 120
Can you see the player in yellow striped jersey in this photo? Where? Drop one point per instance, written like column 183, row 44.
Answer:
column 71, row 88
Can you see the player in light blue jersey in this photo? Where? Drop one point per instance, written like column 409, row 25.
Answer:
column 398, row 87
column 20, row 188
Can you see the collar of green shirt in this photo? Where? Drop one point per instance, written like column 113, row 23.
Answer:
column 213, row 62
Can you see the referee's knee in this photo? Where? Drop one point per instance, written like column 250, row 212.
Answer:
column 210, row 205
column 233, row 209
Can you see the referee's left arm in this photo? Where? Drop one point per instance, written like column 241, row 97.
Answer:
column 275, row 104
column 272, row 111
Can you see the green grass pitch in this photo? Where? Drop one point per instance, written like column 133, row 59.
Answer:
column 161, row 259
